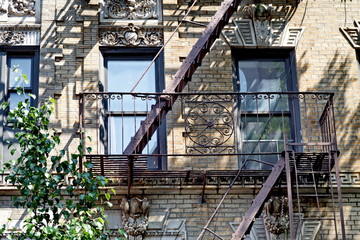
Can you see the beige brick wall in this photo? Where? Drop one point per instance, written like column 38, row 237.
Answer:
column 71, row 63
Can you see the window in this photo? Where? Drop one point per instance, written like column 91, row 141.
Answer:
column 123, row 118
column 26, row 60
column 263, row 119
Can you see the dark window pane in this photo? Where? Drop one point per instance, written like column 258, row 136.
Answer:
column 264, row 127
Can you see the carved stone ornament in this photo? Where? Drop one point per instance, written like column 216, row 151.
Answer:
column 130, row 9
column 3, row 6
column 353, row 34
column 131, row 36
column 263, row 25
column 22, row 7
column 135, row 213
column 261, row 15
column 276, row 215
column 11, row 37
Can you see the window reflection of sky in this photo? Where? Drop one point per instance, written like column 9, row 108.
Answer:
column 122, row 77
column 24, row 67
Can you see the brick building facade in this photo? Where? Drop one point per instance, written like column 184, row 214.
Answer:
column 78, row 51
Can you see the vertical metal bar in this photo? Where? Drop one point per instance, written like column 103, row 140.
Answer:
column 289, row 190
column 317, row 199
column 148, row 135
column 282, row 116
column 292, row 117
column 122, row 123
column 130, row 173
column 245, row 126
column 338, row 186
column 257, row 124
column 81, row 115
column 332, row 195
column 102, row 166
column 317, row 112
column 173, row 125
column 328, row 129
column 100, row 146
column 304, row 120
column 81, row 127
column 297, row 191
column 269, row 121
column 236, row 115
column 332, row 117
column 134, row 111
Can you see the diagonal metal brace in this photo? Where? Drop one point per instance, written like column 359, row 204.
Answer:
column 259, row 200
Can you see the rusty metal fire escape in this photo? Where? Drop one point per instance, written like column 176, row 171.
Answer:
column 182, row 76
column 166, row 101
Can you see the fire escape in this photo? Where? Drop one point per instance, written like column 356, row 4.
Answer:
column 310, row 161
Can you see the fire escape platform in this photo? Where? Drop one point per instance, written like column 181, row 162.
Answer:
column 121, row 168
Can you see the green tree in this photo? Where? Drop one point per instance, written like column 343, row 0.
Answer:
column 62, row 201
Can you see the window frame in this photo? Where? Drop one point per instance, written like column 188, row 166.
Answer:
column 5, row 53
column 288, row 55
column 135, row 53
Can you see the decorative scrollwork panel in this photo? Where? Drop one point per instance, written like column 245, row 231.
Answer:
column 209, row 127
column 129, row 10
column 131, row 36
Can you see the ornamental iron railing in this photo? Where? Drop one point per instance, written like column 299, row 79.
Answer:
column 202, row 128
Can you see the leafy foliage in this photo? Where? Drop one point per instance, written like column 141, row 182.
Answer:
column 57, row 208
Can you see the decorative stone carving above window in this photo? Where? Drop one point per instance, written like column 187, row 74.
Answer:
column 15, row 9
column 22, row 7
column 132, row 9
column 353, row 34
column 131, row 36
column 262, row 29
column 124, row 10
column 12, row 37
column 19, row 36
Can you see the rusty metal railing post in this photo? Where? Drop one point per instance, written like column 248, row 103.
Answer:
column 289, row 188
column 130, row 173
column 338, row 188
column 332, row 119
column 81, row 128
